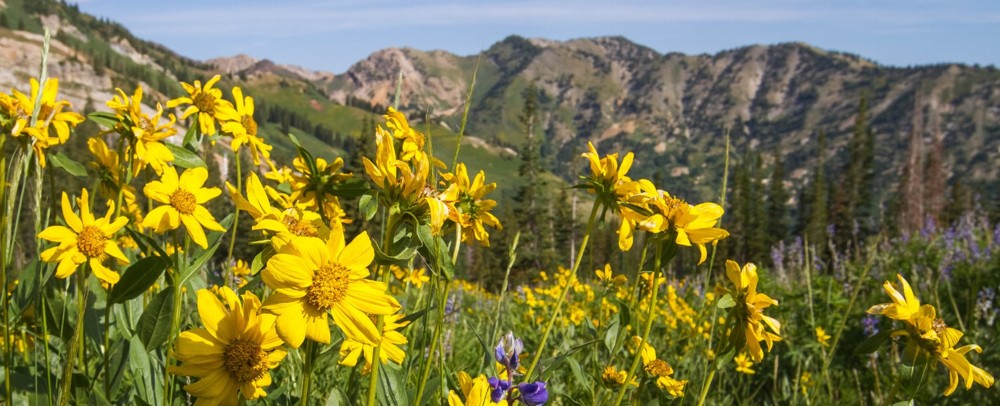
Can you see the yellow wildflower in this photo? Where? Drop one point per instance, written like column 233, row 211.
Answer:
column 749, row 310
column 744, row 364
column 822, row 337
column 471, row 210
column 390, row 350
column 235, row 351
column 84, row 239
column 312, row 278
column 183, row 199
column 204, row 100
column 241, row 124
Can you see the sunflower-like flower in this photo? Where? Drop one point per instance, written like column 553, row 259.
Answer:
column 281, row 225
column 18, row 110
column 471, row 210
column 416, row 277
column 144, row 133
column 204, row 100
column 50, row 112
column 749, row 310
column 392, row 339
column 904, row 307
column 413, row 140
column 240, row 123
column 183, row 200
column 617, row 192
column 312, row 278
column 85, row 238
column 929, row 338
column 659, row 369
column 235, row 351
column 615, row 378
column 692, row 224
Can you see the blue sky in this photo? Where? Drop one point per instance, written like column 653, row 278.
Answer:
column 331, row 35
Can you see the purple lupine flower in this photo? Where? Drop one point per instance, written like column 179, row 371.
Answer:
column 508, row 351
column 929, row 229
column 533, row 394
column 871, row 325
column 778, row 257
column 498, row 389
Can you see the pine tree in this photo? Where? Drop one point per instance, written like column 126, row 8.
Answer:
column 852, row 203
column 818, row 218
column 528, row 213
column 777, row 198
column 911, row 194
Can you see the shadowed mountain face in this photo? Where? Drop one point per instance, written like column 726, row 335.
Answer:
column 672, row 110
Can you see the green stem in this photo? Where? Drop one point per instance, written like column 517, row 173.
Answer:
column 390, row 230
column 706, row 385
column 175, row 319
column 307, row 373
column 465, row 114
column 107, row 349
column 562, row 294
column 236, row 221
column 425, row 372
column 657, row 258
column 76, row 343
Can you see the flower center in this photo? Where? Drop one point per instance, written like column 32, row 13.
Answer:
column 250, row 125
column 205, row 103
column 245, row 360
column 659, row 368
column 183, row 201
column 300, row 228
column 329, row 286
column 91, row 242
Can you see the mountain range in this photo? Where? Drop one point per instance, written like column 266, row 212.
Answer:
column 673, row 110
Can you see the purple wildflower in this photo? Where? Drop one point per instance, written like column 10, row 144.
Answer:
column 498, row 389
column 871, row 325
column 533, row 394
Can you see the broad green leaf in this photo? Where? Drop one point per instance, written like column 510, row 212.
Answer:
column 392, row 386
column 138, row 278
column 726, row 301
column 154, row 324
column 368, row 206
column 205, row 255
column 611, row 335
column 73, row 167
column 872, row 344
column 184, row 158
column 103, row 118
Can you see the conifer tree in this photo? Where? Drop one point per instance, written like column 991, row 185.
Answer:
column 528, row 210
column 818, row 216
column 777, row 197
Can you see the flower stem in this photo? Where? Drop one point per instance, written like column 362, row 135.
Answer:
column 236, row 221
column 425, row 372
column 657, row 258
column 307, row 373
column 390, row 231
column 706, row 385
column 76, row 343
column 562, row 294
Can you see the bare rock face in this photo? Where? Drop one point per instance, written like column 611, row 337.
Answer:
column 232, row 64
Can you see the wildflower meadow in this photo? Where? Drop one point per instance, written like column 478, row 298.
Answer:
column 159, row 276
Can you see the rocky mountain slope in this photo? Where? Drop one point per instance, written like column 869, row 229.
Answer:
column 672, row 109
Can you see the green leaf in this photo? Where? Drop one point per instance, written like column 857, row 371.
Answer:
column 138, row 278
column 191, row 131
column 368, row 206
column 154, row 324
column 391, row 386
column 73, row 167
column 726, row 301
column 294, row 140
column 147, row 389
column 722, row 359
column 871, row 344
column 184, row 158
column 574, row 366
column 103, row 118
column 213, row 245
column 146, row 244
column 611, row 335
column 349, row 189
